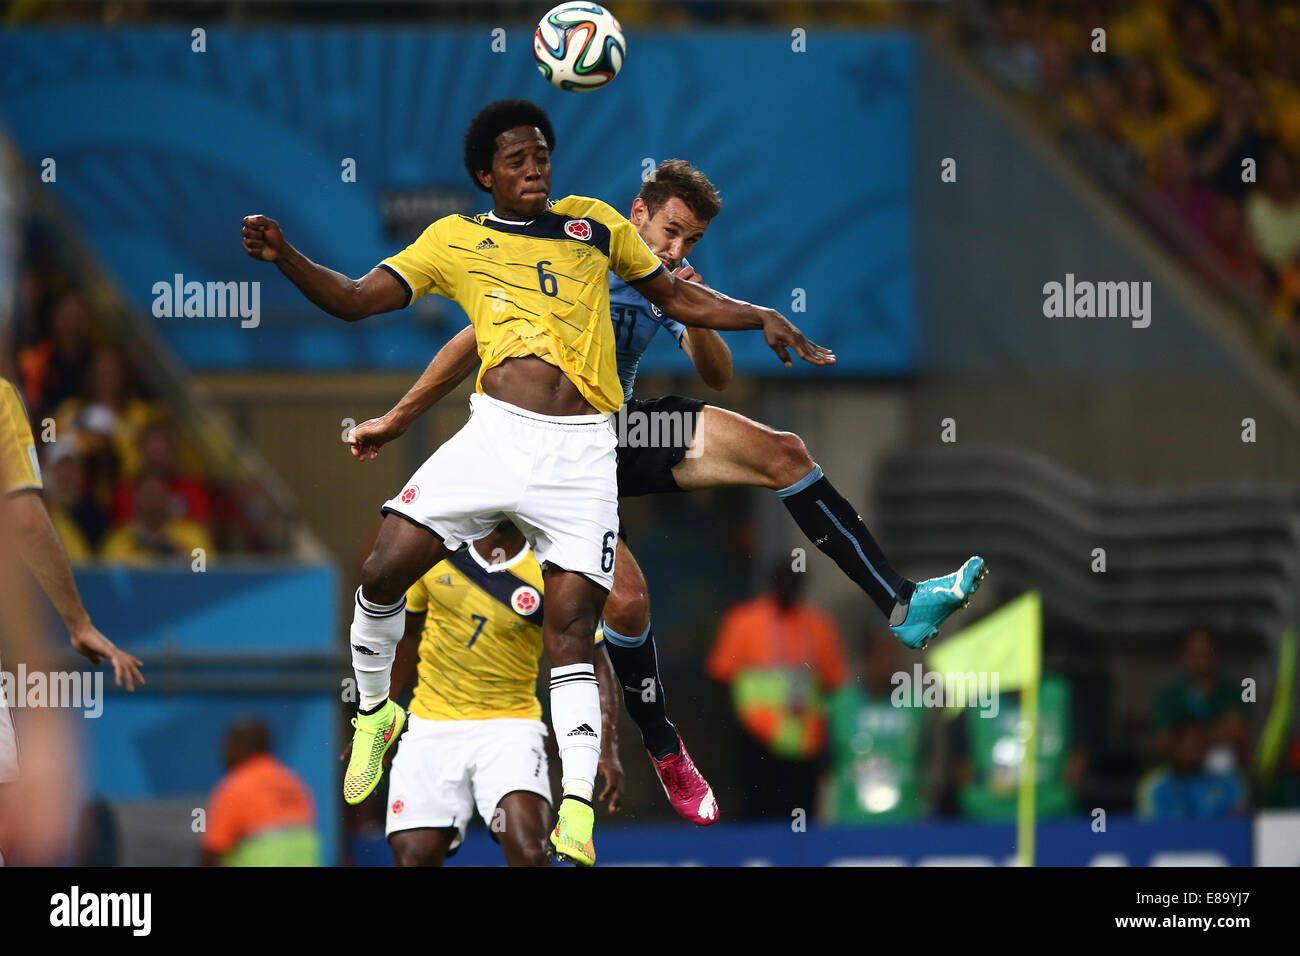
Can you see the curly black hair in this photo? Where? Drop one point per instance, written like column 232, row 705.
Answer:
column 493, row 120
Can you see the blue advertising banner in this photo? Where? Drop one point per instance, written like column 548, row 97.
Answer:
column 266, row 608
column 352, row 140
column 1061, row 843
column 232, row 642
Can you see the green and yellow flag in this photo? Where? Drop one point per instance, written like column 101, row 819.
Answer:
column 1009, row 643
column 1273, row 741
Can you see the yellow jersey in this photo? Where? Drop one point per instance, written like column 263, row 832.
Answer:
column 538, row 288
column 19, row 467
column 482, row 637
column 481, row 640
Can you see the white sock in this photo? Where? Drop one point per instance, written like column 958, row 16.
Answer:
column 575, row 716
column 376, row 632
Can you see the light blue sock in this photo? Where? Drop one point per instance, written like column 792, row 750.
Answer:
column 622, row 640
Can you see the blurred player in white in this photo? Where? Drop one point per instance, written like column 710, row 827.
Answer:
column 28, row 529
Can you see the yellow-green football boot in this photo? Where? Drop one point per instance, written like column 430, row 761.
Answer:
column 572, row 834
column 373, row 735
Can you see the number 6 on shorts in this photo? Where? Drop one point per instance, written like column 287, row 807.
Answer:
column 607, row 552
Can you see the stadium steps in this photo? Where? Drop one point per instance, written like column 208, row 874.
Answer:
column 1225, row 556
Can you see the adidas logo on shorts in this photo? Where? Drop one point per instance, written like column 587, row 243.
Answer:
column 582, row 730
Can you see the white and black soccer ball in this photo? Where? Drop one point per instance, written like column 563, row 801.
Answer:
column 579, row 46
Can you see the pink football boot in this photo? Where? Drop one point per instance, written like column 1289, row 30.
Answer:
column 687, row 790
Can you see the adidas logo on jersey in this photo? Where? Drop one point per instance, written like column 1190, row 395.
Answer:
column 582, row 730
column 487, row 244
column 443, row 579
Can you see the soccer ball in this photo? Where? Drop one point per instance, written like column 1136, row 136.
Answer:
column 579, row 46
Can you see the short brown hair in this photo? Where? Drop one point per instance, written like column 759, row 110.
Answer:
column 677, row 177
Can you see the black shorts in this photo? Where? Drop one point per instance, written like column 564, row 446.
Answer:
column 654, row 434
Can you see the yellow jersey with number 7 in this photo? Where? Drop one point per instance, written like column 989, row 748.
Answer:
column 482, row 637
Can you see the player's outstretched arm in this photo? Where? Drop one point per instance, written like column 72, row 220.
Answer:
column 45, row 558
column 449, row 368
column 694, row 304
column 330, row 291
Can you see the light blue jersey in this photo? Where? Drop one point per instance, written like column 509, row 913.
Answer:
column 636, row 320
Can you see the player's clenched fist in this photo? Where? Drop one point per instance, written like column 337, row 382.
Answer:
column 262, row 238
column 781, row 334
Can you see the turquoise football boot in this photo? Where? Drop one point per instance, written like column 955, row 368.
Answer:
column 934, row 599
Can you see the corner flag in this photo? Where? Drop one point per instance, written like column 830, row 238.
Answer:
column 1009, row 643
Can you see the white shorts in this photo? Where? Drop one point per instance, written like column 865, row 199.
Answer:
column 556, row 478
column 445, row 768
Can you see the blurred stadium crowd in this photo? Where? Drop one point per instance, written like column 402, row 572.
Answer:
column 126, row 481
column 1199, row 100
column 116, row 485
